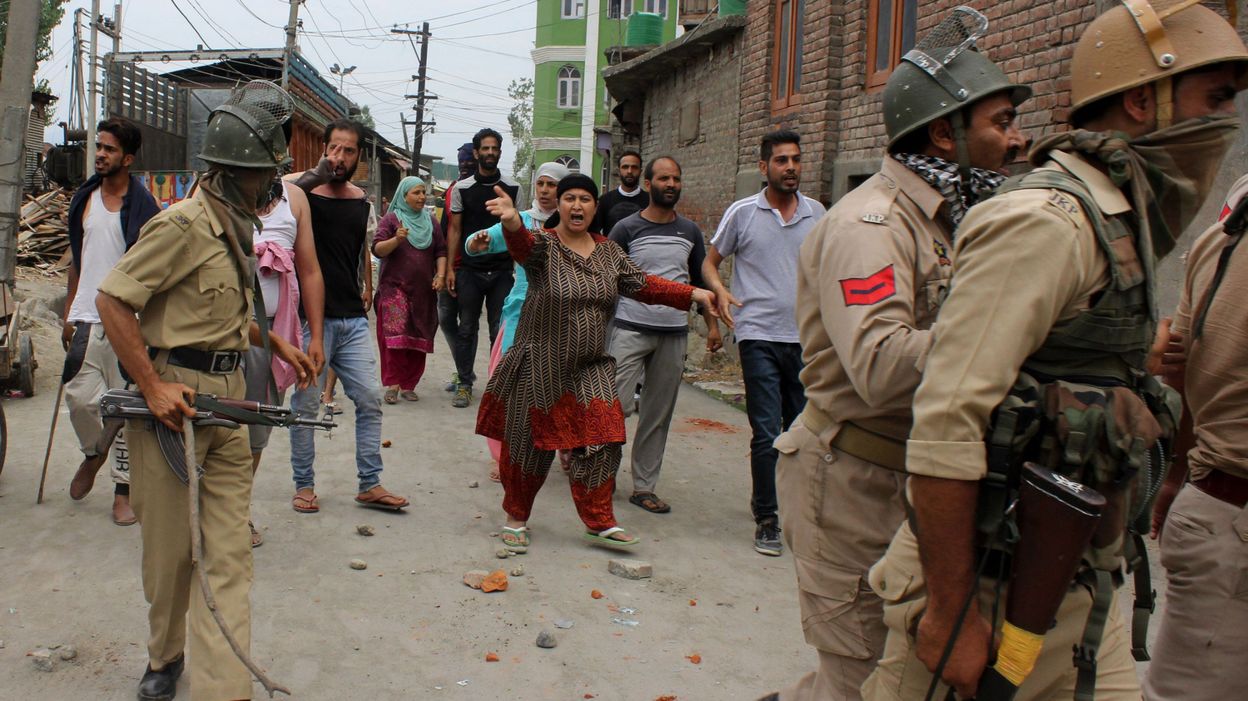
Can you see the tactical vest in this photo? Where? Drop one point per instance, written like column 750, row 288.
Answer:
column 1084, row 406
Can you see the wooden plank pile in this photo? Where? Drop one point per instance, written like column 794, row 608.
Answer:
column 43, row 232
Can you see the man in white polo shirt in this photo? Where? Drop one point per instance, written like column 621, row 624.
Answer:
column 764, row 233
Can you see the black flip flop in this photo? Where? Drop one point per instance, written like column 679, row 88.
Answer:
column 650, row 502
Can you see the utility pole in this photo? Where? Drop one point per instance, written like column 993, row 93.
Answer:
column 16, row 84
column 421, row 96
column 292, row 25
column 93, row 90
column 78, row 93
column 117, row 28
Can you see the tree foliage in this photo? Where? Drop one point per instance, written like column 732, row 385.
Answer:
column 365, row 117
column 50, row 15
column 520, row 119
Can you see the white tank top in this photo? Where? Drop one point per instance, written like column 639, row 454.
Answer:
column 280, row 227
column 103, row 244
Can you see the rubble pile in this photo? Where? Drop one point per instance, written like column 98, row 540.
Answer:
column 43, row 232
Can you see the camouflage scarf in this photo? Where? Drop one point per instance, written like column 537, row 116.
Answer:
column 1169, row 172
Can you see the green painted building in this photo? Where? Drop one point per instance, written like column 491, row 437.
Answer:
column 571, row 113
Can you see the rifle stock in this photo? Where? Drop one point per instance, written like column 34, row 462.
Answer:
column 1056, row 519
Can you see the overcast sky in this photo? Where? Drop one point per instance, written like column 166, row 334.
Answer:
column 478, row 47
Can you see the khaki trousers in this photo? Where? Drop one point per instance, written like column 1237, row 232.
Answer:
column 1201, row 651
column 99, row 372
column 898, row 579
column 170, row 582
column 838, row 515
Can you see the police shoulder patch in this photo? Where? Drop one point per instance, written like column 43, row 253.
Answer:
column 1065, row 203
column 181, row 220
column 874, row 218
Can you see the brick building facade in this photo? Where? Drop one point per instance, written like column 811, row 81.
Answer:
column 819, row 66
column 682, row 100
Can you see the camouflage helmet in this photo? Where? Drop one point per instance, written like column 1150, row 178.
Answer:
column 1138, row 42
column 943, row 74
column 246, row 131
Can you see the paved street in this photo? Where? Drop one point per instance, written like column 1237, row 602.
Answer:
column 407, row 628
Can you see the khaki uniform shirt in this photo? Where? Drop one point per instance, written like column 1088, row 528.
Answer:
column 872, row 275
column 1024, row 261
column 1216, row 382
column 182, row 279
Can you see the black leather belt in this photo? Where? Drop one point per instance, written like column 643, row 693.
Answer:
column 211, row 362
column 1225, row 487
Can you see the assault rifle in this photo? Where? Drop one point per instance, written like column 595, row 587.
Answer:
column 118, row 405
column 1056, row 519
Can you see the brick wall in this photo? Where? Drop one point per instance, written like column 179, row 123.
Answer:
column 815, row 117
column 841, row 122
column 692, row 114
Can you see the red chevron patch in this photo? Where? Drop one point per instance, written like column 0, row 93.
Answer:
column 865, row 291
column 1226, row 211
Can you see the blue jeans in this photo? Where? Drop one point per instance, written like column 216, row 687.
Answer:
column 349, row 351
column 773, row 398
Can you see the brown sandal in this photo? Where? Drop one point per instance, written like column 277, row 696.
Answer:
column 378, row 497
column 256, row 539
column 650, row 502
column 305, row 504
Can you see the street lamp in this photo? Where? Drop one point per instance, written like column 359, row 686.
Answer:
column 341, row 72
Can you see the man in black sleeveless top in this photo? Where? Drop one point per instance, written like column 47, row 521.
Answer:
column 341, row 219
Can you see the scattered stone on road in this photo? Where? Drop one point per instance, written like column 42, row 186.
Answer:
column 42, row 659
column 386, row 444
column 546, row 639
column 517, row 571
column 359, row 565
column 564, row 623
column 474, row 484
column 502, row 553
column 67, row 652
column 365, row 529
column 494, row 581
column 473, row 578
column 630, row 569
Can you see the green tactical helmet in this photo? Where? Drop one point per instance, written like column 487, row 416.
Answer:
column 246, row 131
column 942, row 74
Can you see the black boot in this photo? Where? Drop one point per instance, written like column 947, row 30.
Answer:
column 162, row 685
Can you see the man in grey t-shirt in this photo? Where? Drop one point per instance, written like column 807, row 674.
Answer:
column 649, row 340
column 764, row 232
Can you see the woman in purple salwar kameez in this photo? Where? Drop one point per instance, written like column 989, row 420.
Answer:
column 412, row 250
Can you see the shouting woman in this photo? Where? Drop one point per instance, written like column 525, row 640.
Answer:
column 555, row 387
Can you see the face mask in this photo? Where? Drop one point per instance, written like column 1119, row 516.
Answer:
column 1180, row 163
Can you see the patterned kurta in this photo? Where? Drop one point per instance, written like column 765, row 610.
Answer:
column 555, row 387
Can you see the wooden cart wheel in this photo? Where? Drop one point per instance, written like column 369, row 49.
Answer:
column 26, row 365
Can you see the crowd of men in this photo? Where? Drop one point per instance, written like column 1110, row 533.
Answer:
column 919, row 361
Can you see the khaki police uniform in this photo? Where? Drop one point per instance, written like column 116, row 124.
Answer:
column 872, row 276
column 1199, row 653
column 1026, row 260
column 183, row 281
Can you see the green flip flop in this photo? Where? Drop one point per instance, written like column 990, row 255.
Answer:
column 603, row 539
column 515, row 540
